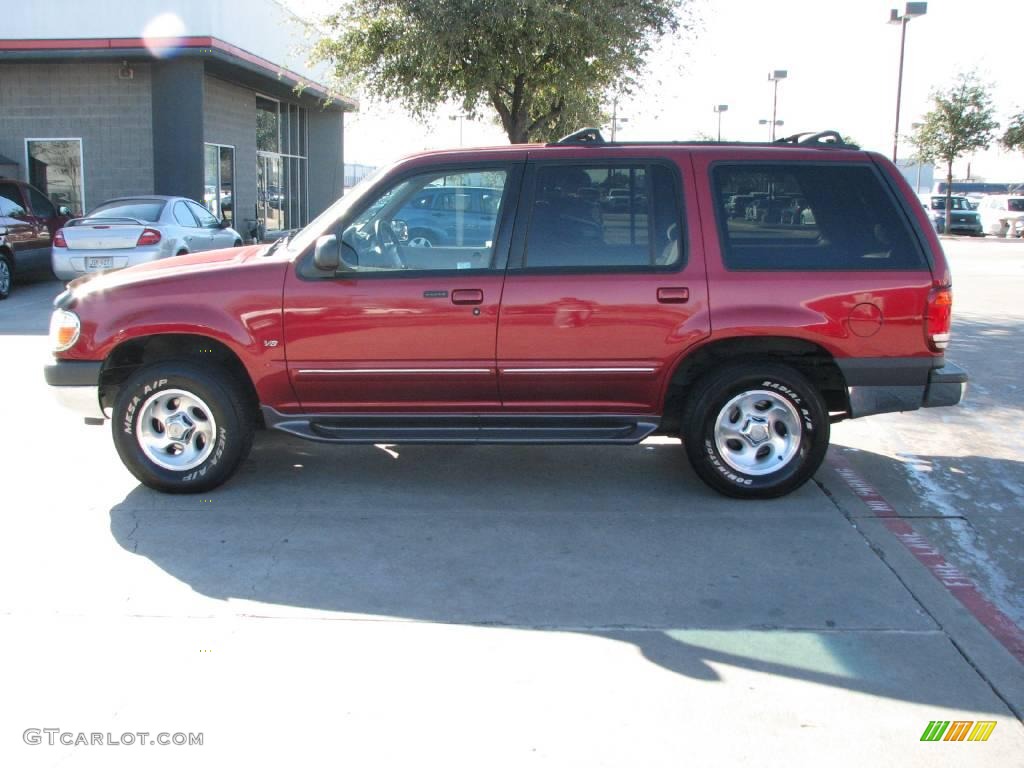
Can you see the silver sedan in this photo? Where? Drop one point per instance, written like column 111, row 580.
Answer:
column 135, row 230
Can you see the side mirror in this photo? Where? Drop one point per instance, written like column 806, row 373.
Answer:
column 327, row 253
column 63, row 211
column 401, row 230
column 223, row 224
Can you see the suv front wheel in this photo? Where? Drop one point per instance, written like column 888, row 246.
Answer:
column 182, row 428
column 755, row 430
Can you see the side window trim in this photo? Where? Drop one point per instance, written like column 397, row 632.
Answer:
column 517, row 256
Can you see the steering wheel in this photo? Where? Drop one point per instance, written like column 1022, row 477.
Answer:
column 388, row 243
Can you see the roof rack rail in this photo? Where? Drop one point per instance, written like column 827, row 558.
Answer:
column 819, row 139
column 583, row 136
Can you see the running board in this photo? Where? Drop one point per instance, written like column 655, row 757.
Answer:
column 480, row 429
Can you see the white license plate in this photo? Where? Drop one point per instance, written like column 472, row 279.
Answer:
column 99, row 263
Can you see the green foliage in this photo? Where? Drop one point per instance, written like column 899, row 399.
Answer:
column 961, row 121
column 542, row 66
column 1013, row 138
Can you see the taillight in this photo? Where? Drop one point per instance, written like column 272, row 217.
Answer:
column 58, row 239
column 939, row 318
column 148, row 237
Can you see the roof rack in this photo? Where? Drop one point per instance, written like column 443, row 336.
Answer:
column 821, row 139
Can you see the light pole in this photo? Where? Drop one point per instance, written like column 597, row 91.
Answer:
column 773, row 124
column 719, row 109
column 615, row 117
column 458, row 117
column 913, row 10
column 774, row 77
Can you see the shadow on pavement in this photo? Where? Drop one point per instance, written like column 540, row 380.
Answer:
column 619, row 543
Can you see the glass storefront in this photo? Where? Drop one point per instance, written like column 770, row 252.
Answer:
column 281, row 165
column 55, row 167
column 219, row 181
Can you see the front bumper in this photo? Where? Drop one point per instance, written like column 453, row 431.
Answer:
column 75, row 384
column 890, row 385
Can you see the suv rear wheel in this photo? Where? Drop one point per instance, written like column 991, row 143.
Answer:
column 181, row 428
column 755, row 430
column 6, row 276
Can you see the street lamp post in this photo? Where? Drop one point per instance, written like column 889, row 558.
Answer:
column 616, row 120
column 912, row 10
column 460, row 118
column 774, row 77
column 719, row 109
column 773, row 124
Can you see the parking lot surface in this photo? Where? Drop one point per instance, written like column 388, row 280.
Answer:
column 405, row 605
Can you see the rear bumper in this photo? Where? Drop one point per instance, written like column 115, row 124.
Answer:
column 890, row 385
column 75, row 385
column 69, row 263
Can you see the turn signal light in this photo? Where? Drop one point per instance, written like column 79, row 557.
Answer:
column 939, row 318
column 64, row 330
column 58, row 240
column 148, row 237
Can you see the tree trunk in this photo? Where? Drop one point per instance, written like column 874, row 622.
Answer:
column 949, row 194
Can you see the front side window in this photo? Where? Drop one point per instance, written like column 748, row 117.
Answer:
column 10, row 201
column 606, row 216
column 203, row 216
column 810, row 217
column 40, row 205
column 397, row 230
column 55, row 167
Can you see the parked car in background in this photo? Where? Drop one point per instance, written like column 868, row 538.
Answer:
column 431, row 216
column 134, row 230
column 29, row 219
column 963, row 218
column 1002, row 215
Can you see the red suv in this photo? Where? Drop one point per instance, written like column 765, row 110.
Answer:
column 28, row 221
column 620, row 291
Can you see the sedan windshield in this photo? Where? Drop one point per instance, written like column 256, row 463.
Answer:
column 1015, row 204
column 144, row 210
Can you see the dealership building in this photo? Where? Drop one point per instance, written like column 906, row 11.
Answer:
column 208, row 100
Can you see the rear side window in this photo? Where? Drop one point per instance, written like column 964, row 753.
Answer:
column 810, row 217
column 143, row 210
column 618, row 216
column 183, row 216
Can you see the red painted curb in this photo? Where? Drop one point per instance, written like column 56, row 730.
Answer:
column 998, row 624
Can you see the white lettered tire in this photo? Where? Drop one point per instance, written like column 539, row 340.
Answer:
column 755, row 430
column 180, row 427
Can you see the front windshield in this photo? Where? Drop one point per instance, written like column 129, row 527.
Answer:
column 958, row 204
column 318, row 226
column 1015, row 204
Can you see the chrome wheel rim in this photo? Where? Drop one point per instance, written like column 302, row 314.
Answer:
column 176, row 429
column 419, row 242
column 758, row 432
column 5, row 276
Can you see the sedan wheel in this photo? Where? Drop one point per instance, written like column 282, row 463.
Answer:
column 5, row 277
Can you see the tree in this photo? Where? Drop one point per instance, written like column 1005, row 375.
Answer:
column 961, row 121
column 1013, row 138
column 542, row 66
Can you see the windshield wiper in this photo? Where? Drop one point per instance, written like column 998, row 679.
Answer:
column 281, row 241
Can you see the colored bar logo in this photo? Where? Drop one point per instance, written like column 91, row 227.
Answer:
column 958, row 730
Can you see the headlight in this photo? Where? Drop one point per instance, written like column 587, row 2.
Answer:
column 64, row 330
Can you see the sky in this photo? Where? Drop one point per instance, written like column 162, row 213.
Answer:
column 842, row 59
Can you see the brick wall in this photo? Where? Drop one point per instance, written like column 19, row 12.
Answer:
column 230, row 118
column 86, row 100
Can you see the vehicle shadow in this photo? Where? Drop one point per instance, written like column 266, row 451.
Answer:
column 26, row 312
column 620, row 543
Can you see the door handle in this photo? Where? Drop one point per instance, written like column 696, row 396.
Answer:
column 673, row 295
column 467, row 296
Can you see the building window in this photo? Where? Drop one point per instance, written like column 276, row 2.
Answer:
column 219, row 181
column 281, row 165
column 55, row 167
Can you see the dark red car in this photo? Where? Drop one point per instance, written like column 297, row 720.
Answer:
column 28, row 221
column 570, row 321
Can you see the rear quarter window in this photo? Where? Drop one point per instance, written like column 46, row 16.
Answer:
column 805, row 216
